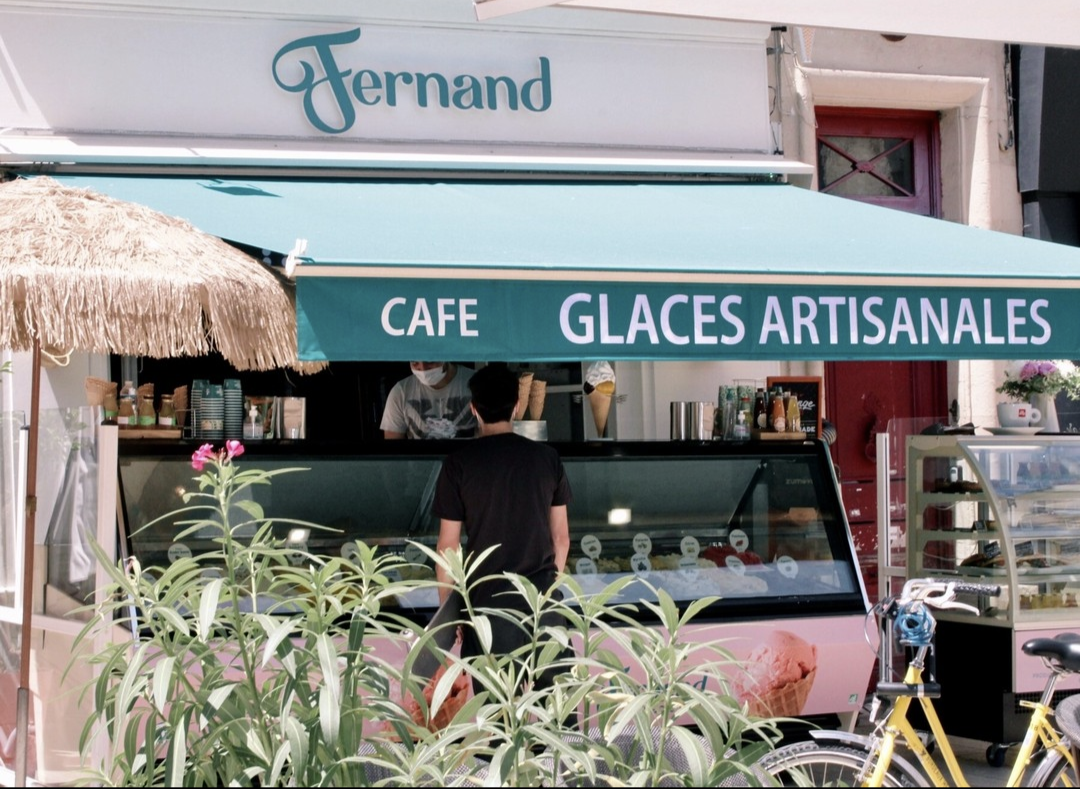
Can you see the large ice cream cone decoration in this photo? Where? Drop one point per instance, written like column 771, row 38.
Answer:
column 600, row 388
column 537, row 395
column 600, row 402
column 524, row 387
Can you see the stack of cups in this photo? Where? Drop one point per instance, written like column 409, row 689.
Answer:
column 234, row 409
column 212, row 412
column 196, row 412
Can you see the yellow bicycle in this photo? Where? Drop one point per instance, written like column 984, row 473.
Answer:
column 841, row 758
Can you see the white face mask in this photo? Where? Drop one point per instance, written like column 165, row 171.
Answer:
column 430, row 377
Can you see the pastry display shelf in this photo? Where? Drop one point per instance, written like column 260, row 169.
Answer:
column 1026, row 513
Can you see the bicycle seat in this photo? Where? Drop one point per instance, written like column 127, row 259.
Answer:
column 1064, row 650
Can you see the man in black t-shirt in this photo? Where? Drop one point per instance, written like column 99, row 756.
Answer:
column 508, row 491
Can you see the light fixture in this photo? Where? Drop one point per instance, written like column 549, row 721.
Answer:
column 619, row 516
column 297, row 536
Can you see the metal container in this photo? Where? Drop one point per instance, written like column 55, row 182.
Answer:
column 680, row 420
column 536, row 429
column 701, row 421
column 290, row 417
column 692, row 420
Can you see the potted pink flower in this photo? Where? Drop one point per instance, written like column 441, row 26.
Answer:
column 1038, row 382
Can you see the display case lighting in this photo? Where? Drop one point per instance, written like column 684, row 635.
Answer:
column 619, row 516
column 298, row 535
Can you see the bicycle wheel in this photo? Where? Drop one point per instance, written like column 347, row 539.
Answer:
column 1053, row 770
column 814, row 764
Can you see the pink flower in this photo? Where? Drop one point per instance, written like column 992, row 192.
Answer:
column 234, row 449
column 202, row 456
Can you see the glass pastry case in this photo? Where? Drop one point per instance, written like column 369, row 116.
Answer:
column 1001, row 510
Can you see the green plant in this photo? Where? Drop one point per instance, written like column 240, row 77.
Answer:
column 247, row 670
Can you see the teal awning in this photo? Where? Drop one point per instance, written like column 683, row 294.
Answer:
column 557, row 270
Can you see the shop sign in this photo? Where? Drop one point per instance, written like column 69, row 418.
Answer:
column 359, row 318
column 321, row 81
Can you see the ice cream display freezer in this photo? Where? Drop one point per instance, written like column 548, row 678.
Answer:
column 757, row 525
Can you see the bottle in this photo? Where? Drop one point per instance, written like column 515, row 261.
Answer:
column 746, row 408
column 167, row 413
column 147, row 417
column 779, row 417
column 761, row 418
column 794, row 421
column 730, row 407
column 126, row 416
column 253, row 429
column 742, row 429
column 110, row 407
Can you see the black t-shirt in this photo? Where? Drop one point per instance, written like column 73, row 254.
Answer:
column 502, row 489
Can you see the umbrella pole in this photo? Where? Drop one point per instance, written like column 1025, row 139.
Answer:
column 22, row 712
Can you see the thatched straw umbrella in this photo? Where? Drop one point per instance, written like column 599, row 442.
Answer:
column 82, row 271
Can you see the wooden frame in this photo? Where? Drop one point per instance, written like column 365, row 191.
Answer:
column 808, row 388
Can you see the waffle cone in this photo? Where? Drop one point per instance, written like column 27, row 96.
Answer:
column 524, row 387
column 97, row 388
column 600, row 404
column 180, row 403
column 783, row 702
column 537, row 394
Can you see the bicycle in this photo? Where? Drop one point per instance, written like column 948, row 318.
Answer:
column 841, row 758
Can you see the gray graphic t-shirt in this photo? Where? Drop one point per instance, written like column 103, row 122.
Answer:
column 419, row 411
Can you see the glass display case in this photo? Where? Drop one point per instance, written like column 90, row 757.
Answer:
column 1001, row 510
column 758, row 525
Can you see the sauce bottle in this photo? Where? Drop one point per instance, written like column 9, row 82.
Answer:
column 167, row 413
column 147, row 415
column 779, row 416
column 761, row 416
column 794, row 421
column 126, row 417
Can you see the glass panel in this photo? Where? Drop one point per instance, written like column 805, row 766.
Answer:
column 11, row 423
column 752, row 526
column 67, row 510
column 749, row 527
column 891, row 175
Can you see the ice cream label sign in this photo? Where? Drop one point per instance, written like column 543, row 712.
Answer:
column 369, row 319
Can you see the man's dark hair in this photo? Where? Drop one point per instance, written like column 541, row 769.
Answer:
column 494, row 390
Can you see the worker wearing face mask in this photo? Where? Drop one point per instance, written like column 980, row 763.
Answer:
column 433, row 402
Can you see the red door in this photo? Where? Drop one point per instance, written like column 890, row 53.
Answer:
column 888, row 158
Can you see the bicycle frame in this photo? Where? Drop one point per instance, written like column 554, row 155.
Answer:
column 897, row 726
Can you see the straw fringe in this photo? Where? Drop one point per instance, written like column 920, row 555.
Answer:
column 84, row 271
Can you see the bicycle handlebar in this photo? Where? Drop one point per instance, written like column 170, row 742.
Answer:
column 938, row 593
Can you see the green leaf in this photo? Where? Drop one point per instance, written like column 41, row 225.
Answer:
column 162, row 674
column 176, row 760
column 329, row 715
column 208, row 607
column 298, row 745
column 328, row 664
column 275, row 636
column 252, row 508
column 697, row 760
